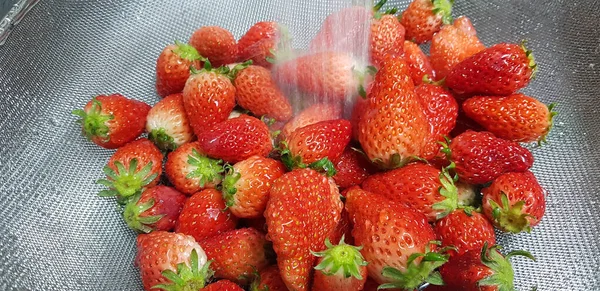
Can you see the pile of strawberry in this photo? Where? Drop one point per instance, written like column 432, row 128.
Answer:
column 403, row 192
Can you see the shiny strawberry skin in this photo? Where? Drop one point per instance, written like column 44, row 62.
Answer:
column 208, row 98
column 480, row 157
column 257, row 92
column 236, row 139
column 203, row 216
column 421, row 21
column 236, row 254
column 216, row 44
column 389, row 232
column 441, row 111
column 463, row 272
column 516, row 117
column 418, row 63
column 344, row 228
column 178, row 169
column 167, row 203
column 393, row 122
column 304, row 208
column 173, row 70
column 352, row 169
column 325, row 139
column 167, row 123
column 501, row 69
column 257, row 43
column 387, row 37
column 453, row 44
column 222, row 285
column 311, row 115
column 159, row 251
column 145, row 152
column 270, row 278
column 465, row 232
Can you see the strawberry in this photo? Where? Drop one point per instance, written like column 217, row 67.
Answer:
column 259, row 43
column 257, row 92
column 311, row 115
column 258, row 223
column 167, row 124
column 340, row 267
column 222, row 285
column 215, row 44
column 465, row 230
column 387, row 37
column 452, row 44
column 396, row 240
column 481, row 270
column 516, row 117
column 441, row 111
column 423, row 18
column 190, row 170
column 418, row 63
column 111, row 121
column 209, row 97
column 464, row 123
column 269, row 279
column 346, row 30
column 173, row 67
column 236, row 139
column 237, row 254
column 480, row 157
column 325, row 139
column 160, row 254
column 352, row 168
column 155, row 209
column 132, row 168
column 501, row 69
column 203, row 216
column 247, row 183
column 393, row 126
column 344, row 228
column 304, row 208
column 514, row 202
column 418, row 186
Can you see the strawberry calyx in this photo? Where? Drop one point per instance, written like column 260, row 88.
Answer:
column 255, row 285
column 443, row 8
column 187, row 52
column 395, row 161
column 377, row 13
column 416, row 274
column 503, row 273
column 510, row 218
column 449, row 191
column 550, row 122
column 340, row 260
column 207, row 170
column 132, row 211
column 93, row 122
column 229, row 189
column 162, row 139
column 532, row 64
column 222, row 70
column 126, row 182
column 292, row 162
column 187, row 278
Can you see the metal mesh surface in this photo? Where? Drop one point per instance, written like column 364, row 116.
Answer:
column 56, row 234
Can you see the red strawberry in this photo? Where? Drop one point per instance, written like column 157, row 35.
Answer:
column 418, row 63
column 418, row 186
column 208, row 97
column 387, row 37
column 393, row 126
column 311, row 115
column 236, row 139
column 160, row 254
column 464, row 123
column 481, row 270
column 132, row 168
column 395, row 240
column 222, row 285
column 352, row 168
column 346, row 30
column 344, row 228
column 441, row 111
column 340, row 267
column 167, row 124
column 203, row 216
column 501, row 69
column 304, row 208
column 247, row 184
column 257, row 92
column 514, row 202
column 155, row 209
column 111, row 121
column 453, row 44
column 325, row 139
column 465, row 230
column 480, row 157
column 173, row 67
column 423, row 18
column 215, row 44
column 237, row 254
column 269, row 279
column 259, row 42
column 516, row 117
column 190, row 170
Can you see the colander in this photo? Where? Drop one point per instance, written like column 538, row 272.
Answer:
column 57, row 234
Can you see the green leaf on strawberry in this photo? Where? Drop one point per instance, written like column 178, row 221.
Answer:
column 192, row 277
column 94, row 122
column 207, row 169
column 125, row 182
column 344, row 257
column 449, row 191
column 502, row 271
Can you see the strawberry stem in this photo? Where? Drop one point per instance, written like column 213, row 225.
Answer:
column 229, row 188
column 126, row 182
column 510, row 218
column 503, row 273
column 188, row 277
column 94, row 123
column 132, row 212
column 449, row 191
column 443, row 8
column 207, row 170
column 187, row 52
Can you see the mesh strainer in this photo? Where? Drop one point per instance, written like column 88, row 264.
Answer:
column 56, row 234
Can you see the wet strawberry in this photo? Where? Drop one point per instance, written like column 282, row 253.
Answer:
column 216, row 44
